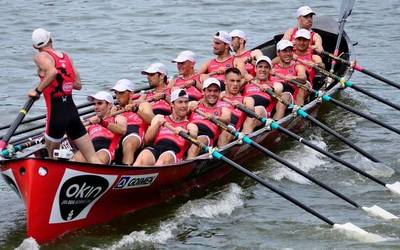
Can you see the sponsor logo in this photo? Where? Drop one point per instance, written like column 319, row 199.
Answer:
column 77, row 193
column 135, row 181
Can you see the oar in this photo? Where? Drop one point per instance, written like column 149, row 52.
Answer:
column 345, row 11
column 15, row 124
column 361, row 69
column 9, row 152
column 349, row 84
column 395, row 187
column 347, row 227
column 374, row 210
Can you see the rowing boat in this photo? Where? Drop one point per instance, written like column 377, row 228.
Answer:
column 62, row 196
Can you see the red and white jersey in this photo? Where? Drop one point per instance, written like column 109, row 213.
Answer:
column 288, row 71
column 193, row 92
column 160, row 107
column 312, row 33
column 215, row 65
column 249, row 66
column 237, row 116
column 133, row 119
column 98, row 131
column 199, row 119
column 260, row 97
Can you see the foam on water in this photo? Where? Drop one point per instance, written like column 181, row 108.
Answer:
column 374, row 168
column 225, row 204
column 354, row 232
column 28, row 244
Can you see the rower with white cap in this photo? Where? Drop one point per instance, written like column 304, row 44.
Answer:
column 238, row 45
column 305, row 21
column 58, row 77
column 188, row 78
column 216, row 67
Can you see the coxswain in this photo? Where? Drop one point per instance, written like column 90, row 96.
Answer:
column 58, row 77
column 105, row 130
column 157, row 77
column 305, row 21
column 216, row 67
column 138, row 116
column 286, row 69
column 208, row 132
column 167, row 146
column 188, row 78
column 249, row 57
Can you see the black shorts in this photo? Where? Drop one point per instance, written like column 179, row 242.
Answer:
column 63, row 118
column 161, row 112
column 101, row 143
column 287, row 87
column 163, row 146
column 204, row 130
column 260, row 101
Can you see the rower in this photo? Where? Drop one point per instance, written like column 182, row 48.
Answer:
column 286, row 69
column 208, row 132
column 305, row 21
column 104, row 130
column 216, row 67
column 249, row 57
column 168, row 147
column 138, row 117
column 157, row 77
column 188, row 78
column 232, row 97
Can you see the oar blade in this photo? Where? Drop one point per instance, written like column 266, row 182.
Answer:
column 395, row 187
column 346, row 8
column 353, row 231
column 380, row 213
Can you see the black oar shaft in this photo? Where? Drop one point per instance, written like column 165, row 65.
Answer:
column 372, row 95
column 355, row 111
column 376, row 76
column 330, row 155
column 337, row 135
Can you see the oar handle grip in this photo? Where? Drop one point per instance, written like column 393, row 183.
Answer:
column 217, row 122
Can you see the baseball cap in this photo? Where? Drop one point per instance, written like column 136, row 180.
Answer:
column 102, row 96
column 303, row 33
column 264, row 59
column 40, row 38
column 283, row 44
column 123, row 85
column 155, row 68
column 178, row 93
column 238, row 33
column 184, row 56
column 210, row 81
column 223, row 36
column 304, row 11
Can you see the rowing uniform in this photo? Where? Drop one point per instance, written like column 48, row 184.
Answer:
column 260, row 97
column 103, row 139
column 288, row 71
column 308, row 57
column 135, row 126
column 62, row 115
column 193, row 92
column 160, row 107
column 215, row 65
column 166, row 141
column 248, row 65
column 312, row 33
column 237, row 116
column 206, row 127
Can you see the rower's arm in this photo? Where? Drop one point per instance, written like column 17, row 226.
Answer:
column 256, row 54
column 288, row 34
column 249, row 103
column 301, row 73
column 152, row 131
column 193, row 130
column 204, row 68
column 318, row 61
column 171, row 83
column 120, row 125
column 146, row 112
column 318, row 43
column 77, row 83
column 240, row 65
column 45, row 65
column 225, row 115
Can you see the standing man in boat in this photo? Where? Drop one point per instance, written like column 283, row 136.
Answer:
column 58, row 77
column 216, row 67
column 305, row 21
column 209, row 132
column 286, row 69
column 188, row 78
column 138, row 117
column 158, row 79
column 105, row 129
column 168, row 147
column 249, row 57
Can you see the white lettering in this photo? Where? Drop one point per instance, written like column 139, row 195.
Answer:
column 76, row 187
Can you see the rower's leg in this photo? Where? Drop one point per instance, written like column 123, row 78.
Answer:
column 145, row 158
column 78, row 157
column 194, row 150
column 85, row 145
column 301, row 97
column 278, row 87
column 224, row 138
column 51, row 146
column 165, row 158
column 129, row 147
column 280, row 108
column 104, row 156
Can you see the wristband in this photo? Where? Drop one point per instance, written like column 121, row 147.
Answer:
column 104, row 123
column 37, row 91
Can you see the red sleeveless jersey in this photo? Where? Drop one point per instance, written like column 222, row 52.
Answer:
column 193, row 92
column 237, row 116
column 98, row 131
column 134, row 119
column 291, row 71
column 260, row 98
column 215, row 65
column 308, row 57
column 199, row 119
column 160, row 107
column 249, row 66
column 312, row 33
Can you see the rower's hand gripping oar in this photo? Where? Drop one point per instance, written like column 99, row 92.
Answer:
column 347, row 228
column 9, row 152
column 349, row 84
column 374, row 210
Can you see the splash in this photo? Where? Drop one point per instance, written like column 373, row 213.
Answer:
column 28, row 244
column 374, row 168
column 354, row 232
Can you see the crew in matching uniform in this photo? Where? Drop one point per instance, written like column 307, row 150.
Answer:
column 157, row 76
column 138, row 117
column 188, row 78
column 167, row 147
column 249, row 57
column 105, row 130
column 208, row 132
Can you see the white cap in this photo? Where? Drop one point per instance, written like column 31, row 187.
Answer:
column 210, row 81
column 123, row 85
column 155, row 68
column 304, row 11
column 283, row 44
column 238, row 33
column 184, row 56
column 40, row 38
column 223, row 36
column 101, row 96
column 178, row 93
column 303, row 33
column 264, row 59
